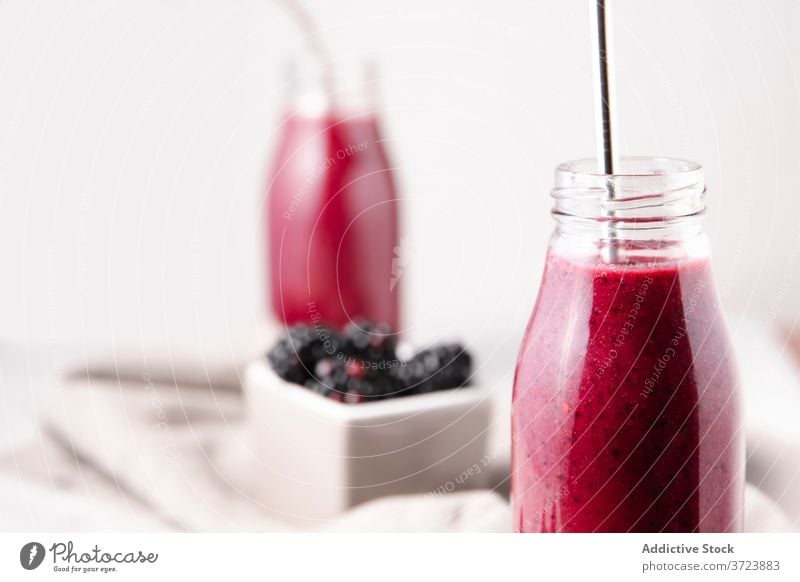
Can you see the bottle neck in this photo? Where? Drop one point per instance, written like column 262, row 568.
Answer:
column 320, row 87
column 653, row 208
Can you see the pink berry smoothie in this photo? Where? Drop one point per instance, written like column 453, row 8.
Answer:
column 626, row 415
column 332, row 222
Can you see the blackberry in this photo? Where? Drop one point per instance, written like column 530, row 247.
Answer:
column 337, row 396
column 437, row 368
column 286, row 363
column 319, row 387
column 294, row 357
column 361, row 364
column 368, row 341
column 378, row 384
column 456, row 366
column 333, row 373
column 356, row 369
column 324, row 389
column 326, row 367
column 411, row 378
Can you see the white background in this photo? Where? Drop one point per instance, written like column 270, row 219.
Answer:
column 134, row 138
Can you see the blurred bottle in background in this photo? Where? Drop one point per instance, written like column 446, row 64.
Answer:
column 332, row 208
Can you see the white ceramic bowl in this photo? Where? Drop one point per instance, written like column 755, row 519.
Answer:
column 318, row 457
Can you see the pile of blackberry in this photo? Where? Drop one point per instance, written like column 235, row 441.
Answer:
column 360, row 363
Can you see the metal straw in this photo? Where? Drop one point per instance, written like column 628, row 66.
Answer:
column 606, row 140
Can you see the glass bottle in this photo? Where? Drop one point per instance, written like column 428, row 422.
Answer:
column 332, row 208
column 626, row 410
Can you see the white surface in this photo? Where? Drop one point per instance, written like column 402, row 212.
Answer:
column 32, row 506
column 153, row 456
column 134, row 138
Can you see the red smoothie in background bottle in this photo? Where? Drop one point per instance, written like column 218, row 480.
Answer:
column 332, row 211
column 626, row 406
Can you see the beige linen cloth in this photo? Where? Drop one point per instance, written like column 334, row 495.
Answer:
column 164, row 445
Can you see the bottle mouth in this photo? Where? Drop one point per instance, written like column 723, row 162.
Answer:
column 644, row 191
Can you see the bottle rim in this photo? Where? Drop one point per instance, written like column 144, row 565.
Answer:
column 632, row 167
column 646, row 192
